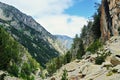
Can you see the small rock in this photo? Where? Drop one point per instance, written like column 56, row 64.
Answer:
column 118, row 68
column 106, row 64
column 53, row 78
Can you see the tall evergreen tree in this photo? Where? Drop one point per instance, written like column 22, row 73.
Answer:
column 81, row 50
column 68, row 57
column 96, row 23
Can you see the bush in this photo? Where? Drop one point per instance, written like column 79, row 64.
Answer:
column 94, row 46
column 99, row 60
column 114, row 70
column 64, row 76
column 68, row 57
column 26, row 69
column 56, row 63
column 51, row 67
column 110, row 73
column 14, row 70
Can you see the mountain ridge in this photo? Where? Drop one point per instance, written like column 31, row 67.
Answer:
column 40, row 43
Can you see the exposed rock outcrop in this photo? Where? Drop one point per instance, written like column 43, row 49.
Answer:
column 110, row 18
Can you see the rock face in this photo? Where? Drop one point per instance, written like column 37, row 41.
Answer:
column 40, row 43
column 110, row 18
column 115, row 60
column 113, row 46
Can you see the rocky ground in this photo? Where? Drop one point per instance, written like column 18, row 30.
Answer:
column 86, row 69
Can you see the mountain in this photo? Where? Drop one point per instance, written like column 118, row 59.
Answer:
column 94, row 55
column 67, row 41
column 40, row 43
column 15, row 60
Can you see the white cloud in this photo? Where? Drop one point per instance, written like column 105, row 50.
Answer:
column 50, row 14
column 63, row 24
column 35, row 7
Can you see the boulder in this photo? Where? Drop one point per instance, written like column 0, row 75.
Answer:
column 115, row 60
column 106, row 64
column 53, row 78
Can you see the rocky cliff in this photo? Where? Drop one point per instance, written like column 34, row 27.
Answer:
column 110, row 18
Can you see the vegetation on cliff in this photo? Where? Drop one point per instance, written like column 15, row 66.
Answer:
column 15, row 59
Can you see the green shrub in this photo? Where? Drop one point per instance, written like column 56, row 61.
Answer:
column 94, row 46
column 30, row 78
column 64, row 76
column 51, row 67
column 110, row 73
column 68, row 57
column 114, row 70
column 14, row 70
column 99, row 60
column 26, row 69
column 56, row 63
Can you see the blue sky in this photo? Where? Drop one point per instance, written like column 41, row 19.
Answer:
column 65, row 17
column 83, row 8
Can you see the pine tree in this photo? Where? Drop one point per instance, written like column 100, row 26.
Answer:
column 68, row 57
column 64, row 76
column 81, row 50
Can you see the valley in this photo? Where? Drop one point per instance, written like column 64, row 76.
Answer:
column 29, row 52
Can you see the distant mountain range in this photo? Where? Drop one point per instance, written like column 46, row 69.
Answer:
column 65, row 40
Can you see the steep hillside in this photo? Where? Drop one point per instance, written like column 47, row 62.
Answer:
column 67, row 41
column 40, row 43
column 15, row 60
